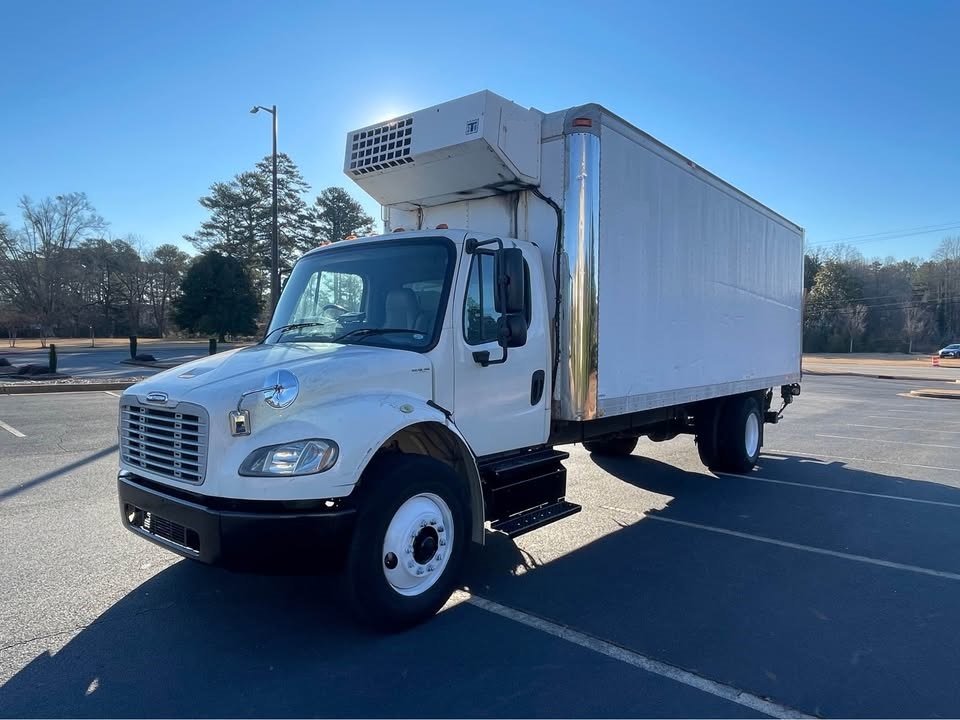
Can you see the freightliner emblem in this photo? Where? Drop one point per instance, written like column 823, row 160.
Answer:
column 157, row 397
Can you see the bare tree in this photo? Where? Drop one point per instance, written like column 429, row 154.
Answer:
column 916, row 323
column 855, row 322
column 164, row 268
column 35, row 262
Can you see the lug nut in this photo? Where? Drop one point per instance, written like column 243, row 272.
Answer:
column 440, row 528
column 442, row 542
column 438, row 558
column 420, row 571
column 433, row 522
column 410, row 564
column 423, row 523
column 408, row 550
column 430, row 568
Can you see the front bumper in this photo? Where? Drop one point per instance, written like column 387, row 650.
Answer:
column 225, row 531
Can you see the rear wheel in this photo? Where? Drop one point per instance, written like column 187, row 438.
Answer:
column 615, row 447
column 740, row 434
column 707, row 435
column 409, row 542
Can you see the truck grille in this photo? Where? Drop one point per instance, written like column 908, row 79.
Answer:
column 170, row 444
column 162, row 528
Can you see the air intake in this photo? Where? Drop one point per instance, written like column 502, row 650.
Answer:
column 381, row 147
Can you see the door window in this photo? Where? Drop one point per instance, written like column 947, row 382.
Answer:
column 479, row 310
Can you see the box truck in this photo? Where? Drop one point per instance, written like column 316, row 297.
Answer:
column 542, row 279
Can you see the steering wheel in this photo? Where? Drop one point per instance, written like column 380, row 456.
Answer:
column 330, row 306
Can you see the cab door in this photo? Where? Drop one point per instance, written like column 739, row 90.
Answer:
column 503, row 406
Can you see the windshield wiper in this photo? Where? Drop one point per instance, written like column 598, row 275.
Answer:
column 362, row 332
column 293, row 326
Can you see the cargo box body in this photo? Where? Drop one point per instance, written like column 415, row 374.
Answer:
column 674, row 286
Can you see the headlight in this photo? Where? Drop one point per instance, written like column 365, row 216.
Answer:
column 303, row 457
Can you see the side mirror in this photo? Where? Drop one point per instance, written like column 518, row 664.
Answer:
column 512, row 331
column 509, row 270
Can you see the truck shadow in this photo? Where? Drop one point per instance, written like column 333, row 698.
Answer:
column 821, row 633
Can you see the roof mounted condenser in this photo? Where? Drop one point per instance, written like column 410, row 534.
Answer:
column 472, row 147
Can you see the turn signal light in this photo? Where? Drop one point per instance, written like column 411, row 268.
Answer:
column 442, row 226
column 582, row 122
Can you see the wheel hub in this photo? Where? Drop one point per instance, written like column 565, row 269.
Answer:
column 417, row 544
column 425, row 545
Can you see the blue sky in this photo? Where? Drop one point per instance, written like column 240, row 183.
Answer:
column 844, row 116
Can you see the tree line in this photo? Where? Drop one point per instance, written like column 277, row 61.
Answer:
column 855, row 304
column 62, row 274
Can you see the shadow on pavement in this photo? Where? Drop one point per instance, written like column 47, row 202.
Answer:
column 826, row 635
column 56, row 473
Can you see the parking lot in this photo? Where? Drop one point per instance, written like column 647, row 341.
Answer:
column 826, row 583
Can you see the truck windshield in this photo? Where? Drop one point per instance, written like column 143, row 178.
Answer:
column 390, row 294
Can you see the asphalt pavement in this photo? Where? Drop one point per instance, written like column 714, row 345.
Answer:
column 106, row 362
column 898, row 370
column 824, row 583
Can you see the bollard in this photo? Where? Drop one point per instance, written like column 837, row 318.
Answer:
column 53, row 359
column 93, row 342
column 213, row 346
column 133, row 347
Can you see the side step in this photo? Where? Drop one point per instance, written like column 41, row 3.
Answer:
column 536, row 518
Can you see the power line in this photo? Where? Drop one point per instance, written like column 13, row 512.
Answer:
column 890, row 235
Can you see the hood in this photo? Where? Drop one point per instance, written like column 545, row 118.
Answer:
column 322, row 369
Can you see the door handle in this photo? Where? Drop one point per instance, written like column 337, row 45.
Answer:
column 536, row 387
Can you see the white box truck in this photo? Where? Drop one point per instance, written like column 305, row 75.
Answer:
column 543, row 279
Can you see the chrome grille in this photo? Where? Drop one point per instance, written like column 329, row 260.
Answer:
column 169, row 443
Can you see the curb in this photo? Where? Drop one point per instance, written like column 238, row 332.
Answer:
column 940, row 394
column 153, row 365
column 64, row 387
column 878, row 377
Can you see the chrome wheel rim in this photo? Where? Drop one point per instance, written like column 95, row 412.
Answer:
column 752, row 435
column 417, row 544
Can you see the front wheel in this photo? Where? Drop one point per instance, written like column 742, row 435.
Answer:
column 409, row 542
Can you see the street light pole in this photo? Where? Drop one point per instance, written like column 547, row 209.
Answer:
column 274, row 235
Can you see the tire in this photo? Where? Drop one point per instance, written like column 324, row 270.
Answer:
column 615, row 447
column 415, row 509
column 740, row 434
column 707, row 436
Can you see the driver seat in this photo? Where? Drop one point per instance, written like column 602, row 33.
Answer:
column 402, row 309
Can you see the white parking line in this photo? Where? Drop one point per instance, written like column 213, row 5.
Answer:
column 887, row 427
column 111, row 393
column 901, row 418
column 642, row 662
column 844, row 491
column 890, row 442
column 12, row 430
column 810, row 548
column 787, row 453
